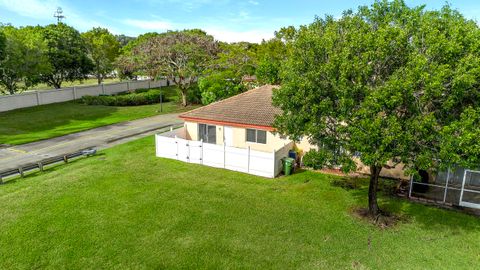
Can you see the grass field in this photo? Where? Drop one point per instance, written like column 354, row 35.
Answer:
column 53, row 120
column 44, row 86
column 127, row 209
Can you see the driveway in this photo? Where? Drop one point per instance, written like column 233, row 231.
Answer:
column 100, row 138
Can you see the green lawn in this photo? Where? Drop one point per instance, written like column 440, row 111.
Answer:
column 53, row 120
column 43, row 86
column 127, row 209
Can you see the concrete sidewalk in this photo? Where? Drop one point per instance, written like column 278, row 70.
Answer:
column 100, row 138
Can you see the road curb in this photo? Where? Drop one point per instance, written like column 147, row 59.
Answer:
column 140, row 133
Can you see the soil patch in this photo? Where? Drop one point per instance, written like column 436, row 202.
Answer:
column 384, row 220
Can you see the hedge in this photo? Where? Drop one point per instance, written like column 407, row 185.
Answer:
column 139, row 97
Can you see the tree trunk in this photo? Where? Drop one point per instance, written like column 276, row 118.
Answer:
column 184, row 98
column 99, row 79
column 12, row 88
column 373, row 208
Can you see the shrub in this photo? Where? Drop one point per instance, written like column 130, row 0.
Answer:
column 139, row 97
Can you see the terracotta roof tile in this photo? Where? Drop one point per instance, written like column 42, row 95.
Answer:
column 253, row 107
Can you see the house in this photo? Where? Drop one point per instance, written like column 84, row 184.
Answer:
column 244, row 120
column 235, row 133
column 235, row 129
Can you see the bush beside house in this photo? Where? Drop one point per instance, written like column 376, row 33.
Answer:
column 139, row 97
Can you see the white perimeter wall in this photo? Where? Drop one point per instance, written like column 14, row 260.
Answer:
column 34, row 98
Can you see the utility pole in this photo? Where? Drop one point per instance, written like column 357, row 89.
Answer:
column 59, row 15
column 161, row 100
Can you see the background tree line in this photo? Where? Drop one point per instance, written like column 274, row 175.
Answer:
column 204, row 69
column 53, row 54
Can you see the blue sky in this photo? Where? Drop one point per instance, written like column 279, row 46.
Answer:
column 227, row 20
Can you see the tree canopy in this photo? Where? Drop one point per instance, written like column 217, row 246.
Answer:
column 182, row 56
column 23, row 58
column 387, row 83
column 103, row 49
column 67, row 53
column 271, row 54
column 223, row 78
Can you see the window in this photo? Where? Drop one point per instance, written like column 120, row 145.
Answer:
column 207, row 133
column 256, row 136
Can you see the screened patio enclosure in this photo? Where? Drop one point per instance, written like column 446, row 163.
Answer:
column 457, row 186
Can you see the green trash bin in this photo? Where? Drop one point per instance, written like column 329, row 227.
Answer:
column 288, row 165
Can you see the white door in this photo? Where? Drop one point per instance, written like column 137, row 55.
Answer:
column 228, row 136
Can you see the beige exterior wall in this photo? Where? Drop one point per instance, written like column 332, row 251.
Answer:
column 304, row 146
column 274, row 141
column 191, row 130
column 397, row 172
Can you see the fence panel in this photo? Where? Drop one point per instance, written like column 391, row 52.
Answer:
column 166, row 147
column 89, row 91
column 236, row 159
column 262, row 164
column 221, row 156
column 213, row 155
column 115, row 88
column 23, row 100
column 183, row 150
column 279, row 154
column 34, row 98
column 196, row 152
column 54, row 96
column 140, row 85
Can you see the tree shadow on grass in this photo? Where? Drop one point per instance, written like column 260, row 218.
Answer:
column 427, row 217
column 56, row 117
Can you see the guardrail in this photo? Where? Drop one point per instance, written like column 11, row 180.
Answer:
column 40, row 166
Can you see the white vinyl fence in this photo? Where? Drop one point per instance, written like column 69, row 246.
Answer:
column 41, row 97
column 266, row 164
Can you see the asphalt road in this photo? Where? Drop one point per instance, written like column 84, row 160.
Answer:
column 99, row 138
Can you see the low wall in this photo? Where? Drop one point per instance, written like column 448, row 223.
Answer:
column 266, row 164
column 41, row 97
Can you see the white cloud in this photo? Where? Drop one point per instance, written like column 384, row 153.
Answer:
column 255, row 3
column 157, row 25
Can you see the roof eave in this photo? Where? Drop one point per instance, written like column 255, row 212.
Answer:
column 226, row 123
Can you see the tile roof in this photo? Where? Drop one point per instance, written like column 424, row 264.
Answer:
column 251, row 108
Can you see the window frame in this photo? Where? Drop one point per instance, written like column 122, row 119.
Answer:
column 256, row 136
column 205, row 138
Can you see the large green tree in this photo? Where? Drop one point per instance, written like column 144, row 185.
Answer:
column 182, row 56
column 271, row 54
column 103, row 48
column 219, row 84
column 23, row 60
column 67, row 53
column 224, row 76
column 388, row 84
column 123, row 40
